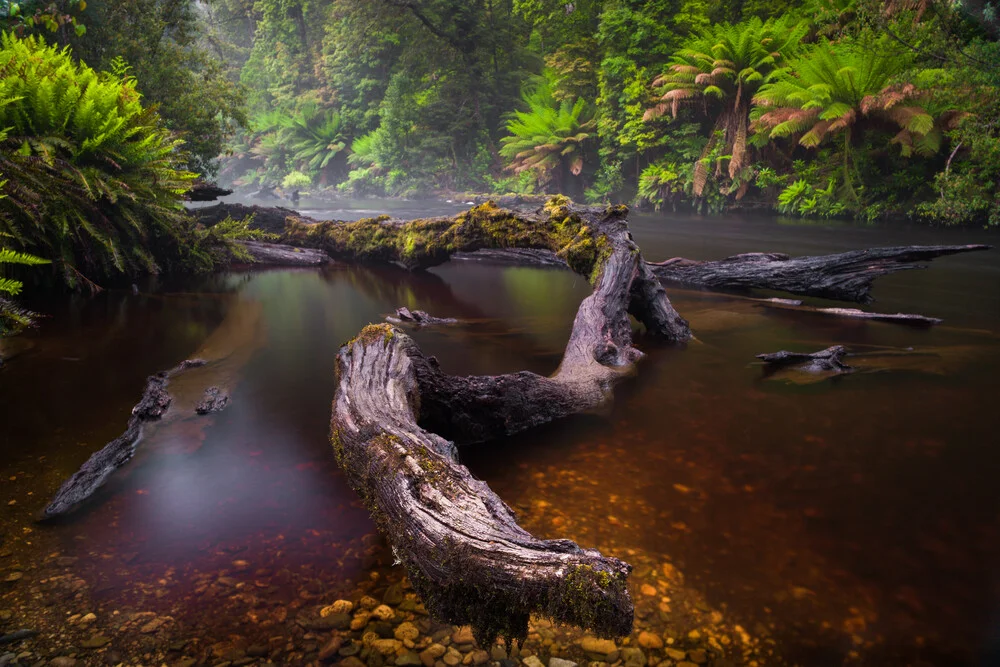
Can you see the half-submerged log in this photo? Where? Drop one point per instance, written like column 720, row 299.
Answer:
column 846, row 276
column 397, row 417
column 96, row 470
column 419, row 317
column 277, row 254
column 830, row 359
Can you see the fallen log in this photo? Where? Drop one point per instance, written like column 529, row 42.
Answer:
column 846, row 276
column 205, row 191
column 419, row 317
column 267, row 218
column 397, row 417
column 96, row 470
column 277, row 254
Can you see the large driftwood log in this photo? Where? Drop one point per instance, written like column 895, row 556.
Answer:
column 847, row 276
column 96, row 470
column 277, row 254
column 397, row 416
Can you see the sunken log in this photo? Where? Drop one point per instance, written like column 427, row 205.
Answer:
column 277, row 254
column 397, row 418
column 846, row 276
column 830, row 359
column 907, row 319
column 99, row 467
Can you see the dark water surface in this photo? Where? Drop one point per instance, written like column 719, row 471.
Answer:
column 855, row 520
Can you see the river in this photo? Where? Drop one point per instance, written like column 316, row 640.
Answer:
column 853, row 520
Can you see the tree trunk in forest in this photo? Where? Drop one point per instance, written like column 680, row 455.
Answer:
column 397, row 417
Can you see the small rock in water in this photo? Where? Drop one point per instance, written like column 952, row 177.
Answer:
column 532, row 661
column 95, row 641
column 408, row 659
column 649, row 640
column 63, row 661
column 463, row 635
column 598, row 646
column 338, row 607
column 648, row 590
column 384, row 612
column 674, row 654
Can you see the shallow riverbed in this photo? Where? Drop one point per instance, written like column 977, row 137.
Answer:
column 848, row 521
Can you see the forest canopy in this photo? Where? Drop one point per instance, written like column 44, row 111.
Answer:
column 848, row 108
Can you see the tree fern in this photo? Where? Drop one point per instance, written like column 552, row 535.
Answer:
column 549, row 138
column 835, row 87
column 723, row 67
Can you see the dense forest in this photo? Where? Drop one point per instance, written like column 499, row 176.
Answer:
column 853, row 108
column 831, row 108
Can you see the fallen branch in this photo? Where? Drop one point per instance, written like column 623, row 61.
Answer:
column 909, row 319
column 830, row 359
column 846, row 276
column 396, row 418
column 96, row 470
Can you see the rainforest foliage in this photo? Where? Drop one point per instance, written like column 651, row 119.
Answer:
column 859, row 108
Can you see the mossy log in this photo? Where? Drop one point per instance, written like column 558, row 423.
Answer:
column 846, row 276
column 397, row 418
column 541, row 238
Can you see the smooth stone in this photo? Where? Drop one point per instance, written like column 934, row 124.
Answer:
column 674, row 654
column 698, row 656
column 559, row 662
column 406, row 631
column 634, row 657
column 95, row 641
column 351, row 661
column 393, row 595
column 480, row 657
column 408, row 659
column 650, row 640
column 63, row 661
column 463, row 635
column 532, row 661
column 338, row 607
column 383, row 612
column 599, row 646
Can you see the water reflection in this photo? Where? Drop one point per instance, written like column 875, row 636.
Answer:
column 857, row 520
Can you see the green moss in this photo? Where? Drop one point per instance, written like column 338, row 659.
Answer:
column 590, row 598
column 373, row 333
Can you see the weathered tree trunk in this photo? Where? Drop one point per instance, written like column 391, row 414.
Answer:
column 267, row 218
column 847, row 276
column 908, row 319
column 397, row 417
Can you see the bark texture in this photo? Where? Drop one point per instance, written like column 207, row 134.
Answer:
column 276, row 254
column 205, row 191
column 99, row 467
column 908, row 319
column 267, row 218
column 397, row 418
column 418, row 317
column 846, row 276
